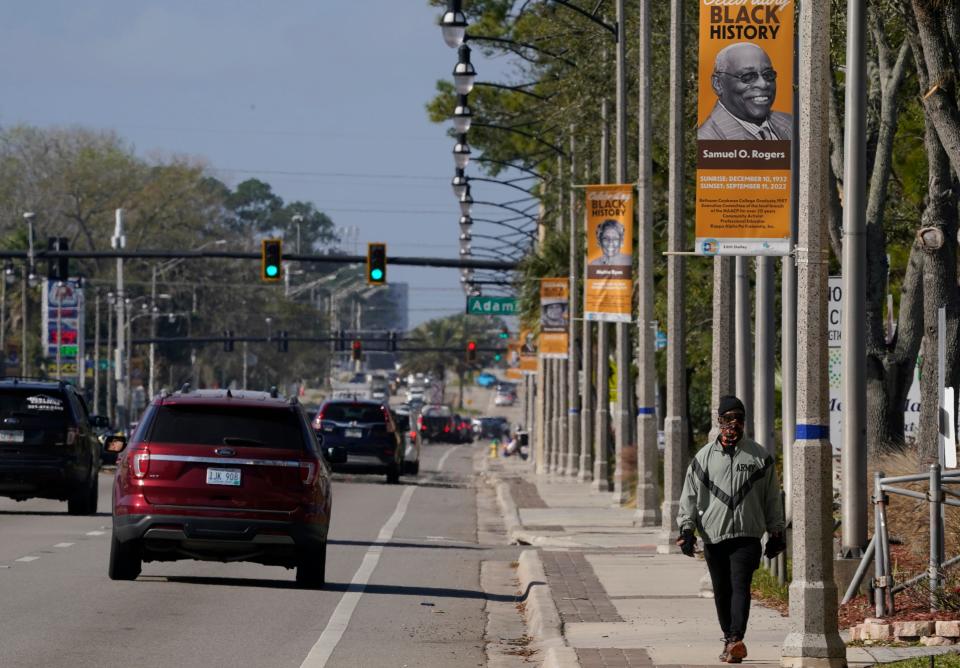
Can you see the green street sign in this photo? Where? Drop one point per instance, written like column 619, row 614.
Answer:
column 491, row 306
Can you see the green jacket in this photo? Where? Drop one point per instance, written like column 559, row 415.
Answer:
column 731, row 494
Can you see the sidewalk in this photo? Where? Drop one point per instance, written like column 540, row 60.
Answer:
column 616, row 602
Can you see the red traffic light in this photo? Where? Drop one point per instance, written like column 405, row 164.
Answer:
column 356, row 344
column 471, row 345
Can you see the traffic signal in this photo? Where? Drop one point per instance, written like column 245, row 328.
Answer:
column 271, row 255
column 228, row 340
column 497, row 357
column 356, row 353
column 471, row 355
column 377, row 264
column 58, row 269
column 504, row 333
column 283, row 345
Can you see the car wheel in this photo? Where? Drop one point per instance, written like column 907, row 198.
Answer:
column 125, row 559
column 411, row 468
column 312, row 567
column 84, row 500
column 393, row 474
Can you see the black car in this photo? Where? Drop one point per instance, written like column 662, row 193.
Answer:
column 368, row 433
column 48, row 448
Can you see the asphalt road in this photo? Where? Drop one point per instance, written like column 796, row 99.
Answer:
column 403, row 587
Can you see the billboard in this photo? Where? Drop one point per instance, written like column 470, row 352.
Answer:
column 554, row 318
column 744, row 127
column 608, row 290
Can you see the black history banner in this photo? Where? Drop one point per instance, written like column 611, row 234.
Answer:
column 745, row 127
column 608, row 290
column 554, row 318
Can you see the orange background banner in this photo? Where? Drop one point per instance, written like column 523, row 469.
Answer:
column 608, row 290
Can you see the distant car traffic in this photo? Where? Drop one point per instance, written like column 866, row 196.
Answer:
column 436, row 424
column 366, row 430
column 221, row 476
column 504, row 398
column 490, row 427
column 48, row 447
column 486, row 379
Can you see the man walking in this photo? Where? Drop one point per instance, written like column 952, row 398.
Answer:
column 731, row 496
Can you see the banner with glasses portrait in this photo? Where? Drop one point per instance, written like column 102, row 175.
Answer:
column 744, row 127
column 608, row 290
column 554, row 318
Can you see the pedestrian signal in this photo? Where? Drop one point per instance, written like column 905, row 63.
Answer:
column 376, row 264
column 271, row 252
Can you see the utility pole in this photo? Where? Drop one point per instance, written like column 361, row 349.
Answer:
column 601, row 438
column 108, row 377
column 853, row 336
column 744, row 341
column 27, row 274
column 244, row 365
column 119, row 242
column 813, row 639
column 151, row 383
column 562, row 404
column 59, row 288
column 675, row 424
column 572, row 464
column 624, row 416
column 587, row 395
column 723, row 371
column 763, row 409
column 648, row 456
column 96, row 352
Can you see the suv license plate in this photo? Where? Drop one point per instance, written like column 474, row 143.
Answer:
column 11, row 436
column 229, row 477
column 353, row 433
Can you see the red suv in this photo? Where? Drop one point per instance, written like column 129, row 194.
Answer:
column 221, row 476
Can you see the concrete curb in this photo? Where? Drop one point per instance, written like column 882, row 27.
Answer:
column 561, row 657
column 543, row 620
column 511, row 516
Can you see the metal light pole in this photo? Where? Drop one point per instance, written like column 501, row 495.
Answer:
column 601, row 438
column 109, row 377
column 813, row 639
column 675, row 423
column 723, row 371
column 648, row 492
column 59, row 287
column 587, row 442
column 744, row 341
column 27, row 274
column 853, row 338
column 624, row 417
column 7, row 274
column 763, row 408
column 151, row 383
column 96, row 352
column 119, row 242
column 572, row 464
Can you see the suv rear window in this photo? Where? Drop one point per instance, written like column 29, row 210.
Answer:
column 49, row 408
column 352, row 413
column 238, row 426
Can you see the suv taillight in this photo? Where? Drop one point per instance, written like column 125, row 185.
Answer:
column 141, row 463
column 72, row 434
column 307, row 472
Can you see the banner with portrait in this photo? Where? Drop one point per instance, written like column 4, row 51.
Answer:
column 554, row 318
column 744, row 127
column 528, row 352
column 608, row 290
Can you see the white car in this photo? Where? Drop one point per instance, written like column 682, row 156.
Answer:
column 504, row 398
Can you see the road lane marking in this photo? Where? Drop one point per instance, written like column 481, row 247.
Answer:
column 95, row 533
column 27, row 559
column 63, row 544
column 443, row 460
column 340, row 619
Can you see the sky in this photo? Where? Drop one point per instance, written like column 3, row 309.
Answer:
column 323, row 99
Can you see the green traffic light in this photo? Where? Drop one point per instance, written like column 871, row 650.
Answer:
column 496, row 357
column 272, row 270
column 376, row 274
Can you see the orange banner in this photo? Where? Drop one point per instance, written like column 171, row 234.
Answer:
column 745, row 127
column 608, row 290
column 528, row 352
column 554, row 317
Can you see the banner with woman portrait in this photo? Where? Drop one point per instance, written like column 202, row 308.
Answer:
column 554, row 318
column 608, row 290
column 744, row 127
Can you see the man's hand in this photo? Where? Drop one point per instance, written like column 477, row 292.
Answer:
column 686, row 541
column 775, row 545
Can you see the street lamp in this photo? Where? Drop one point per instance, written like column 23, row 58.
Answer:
column 466, row 202
column 462, row 116
column 461, row 153
column 459, row 184
column 466, row 222
column 453, row 24
column 464, row 73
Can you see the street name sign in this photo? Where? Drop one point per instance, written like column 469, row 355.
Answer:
column 491, row 306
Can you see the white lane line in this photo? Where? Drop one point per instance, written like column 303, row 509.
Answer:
column 63, row 544
column 443, row 460
column 340, row 619
column 27, row 559
column 95, row 533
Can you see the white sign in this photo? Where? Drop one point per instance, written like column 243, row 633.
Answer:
column 834, row 310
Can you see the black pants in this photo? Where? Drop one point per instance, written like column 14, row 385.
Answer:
column 732, row 563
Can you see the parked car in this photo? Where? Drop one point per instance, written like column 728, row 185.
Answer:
column 491, row 427
column 436, row 424
column 504, row 397
column 411, row 441
column 486, row 379
column 222, row 476
column 366, row 430
column 48, row 448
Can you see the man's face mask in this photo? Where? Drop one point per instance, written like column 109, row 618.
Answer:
column 731, row 426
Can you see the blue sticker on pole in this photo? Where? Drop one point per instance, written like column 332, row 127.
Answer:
column 646, row 410
column 812, row 432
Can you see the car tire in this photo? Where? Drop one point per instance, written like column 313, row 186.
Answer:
column 411, row 468
column 84, row 500
column 125, row 559
column 312, row 567
column 393, row 474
